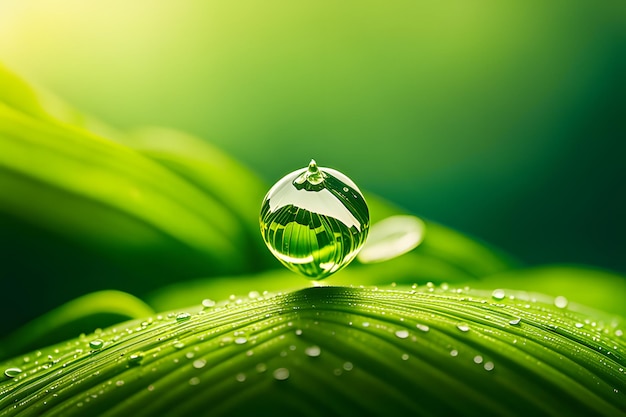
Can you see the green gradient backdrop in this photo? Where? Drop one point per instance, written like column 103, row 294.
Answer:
column 502, row 119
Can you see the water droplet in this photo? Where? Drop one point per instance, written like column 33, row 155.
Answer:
column 241, row 341
column 422, row 327
column 454, row 352
column 119, row 383
column 462, row 327
column 12, row 372
column 560, row 301
column 405, row 357
column 281, row 374
column 240, row 377
column 619, row 333
column 180, row 317
column 298, row 332
column 194, row 381
column 402, row 334
column 488, row 366
column 311, row 225
column 579, row 325
column 96, row 344
column 498, row 294
column 348, row 366
column 261, row 367
column 253, row 294
column 478, row 359
column 515, row 321
column 366, row 324
column 135, row 358
column 199, row 363
column 208, row 303
column 179, row 345
column 313, row 351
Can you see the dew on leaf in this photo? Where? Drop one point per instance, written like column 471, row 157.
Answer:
column 560, row 302
column 478, row 359
column 135, row 358
column 454, row 352
column 281, row 374
column 313, row 351
column 208, row 303
column 199, row 363
column 489, row 366
column 12, row 372
column 240, row 340
column 348, row 366
column 463, row 327
column 194, row 381
column 402, row 334
column 498, row 294
column 180, row 317
column 515, row 321
column 96, row 344
column 422, row 327
column 240, row 377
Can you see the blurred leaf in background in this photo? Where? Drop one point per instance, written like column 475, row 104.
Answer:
column 502, row 120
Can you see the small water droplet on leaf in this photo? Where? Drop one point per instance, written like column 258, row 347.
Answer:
column 313, row 351
column 422, row 327
column 560, row 302
column 12, row 372
column 180, row 317
column 96, row 344
column 402, row 334
column 281, row 374
column 135, row 358
column 208, row 303
column 498, row 294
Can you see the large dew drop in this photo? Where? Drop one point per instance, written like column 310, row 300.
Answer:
column 12, row 372
column 315, row 221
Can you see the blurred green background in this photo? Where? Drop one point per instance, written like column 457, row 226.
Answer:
column 502, row 120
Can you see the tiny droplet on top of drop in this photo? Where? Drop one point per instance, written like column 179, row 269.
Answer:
column 314, row 221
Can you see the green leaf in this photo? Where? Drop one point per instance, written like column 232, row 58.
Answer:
column 99, row 309
column 336, row 351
